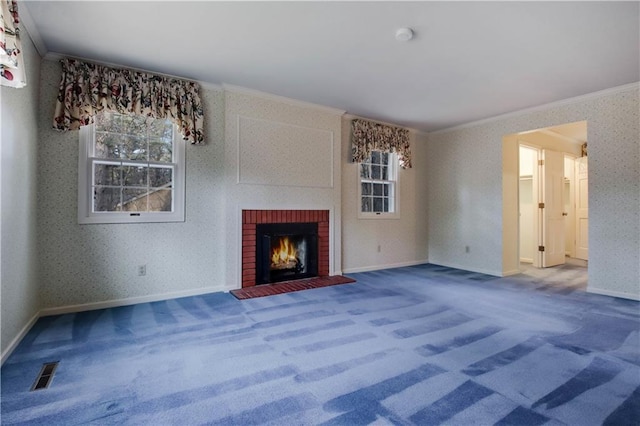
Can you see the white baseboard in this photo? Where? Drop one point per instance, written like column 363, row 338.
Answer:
column 620, row 294
column 129, row 301
column 103, row 305
column 387, row 266
column 14, row 343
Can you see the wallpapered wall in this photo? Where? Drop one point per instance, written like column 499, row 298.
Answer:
column 298, row 149
column 82, row 264
column 92, row 263
column 19, row 161
column 402, row 241
column 465, row 189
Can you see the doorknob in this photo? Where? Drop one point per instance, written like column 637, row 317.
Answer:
column 565, row 214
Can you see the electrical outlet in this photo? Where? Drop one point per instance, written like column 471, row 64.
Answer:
column 142, row 270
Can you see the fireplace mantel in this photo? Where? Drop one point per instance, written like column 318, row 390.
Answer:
column 251, row 218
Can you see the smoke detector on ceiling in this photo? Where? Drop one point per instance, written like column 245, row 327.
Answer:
column 404, row 34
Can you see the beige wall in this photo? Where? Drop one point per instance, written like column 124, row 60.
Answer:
column 279, row 154
column 19, row 148
column 402, row 240
column 85, row 264
column 97, row 264
column 472, row 186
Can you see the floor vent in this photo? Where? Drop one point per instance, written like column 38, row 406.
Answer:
column 45, row 376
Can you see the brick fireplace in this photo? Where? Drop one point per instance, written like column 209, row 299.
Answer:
column 252, row 218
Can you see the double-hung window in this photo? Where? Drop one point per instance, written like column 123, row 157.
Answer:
column 131, row 169
column 378, row 185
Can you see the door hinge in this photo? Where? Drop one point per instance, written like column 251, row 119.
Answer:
column 540, row 162
column 541, row 205
column 540, row 248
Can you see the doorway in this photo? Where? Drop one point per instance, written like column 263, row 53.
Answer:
column 553, row 196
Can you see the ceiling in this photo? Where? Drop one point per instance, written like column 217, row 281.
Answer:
column 468, row 60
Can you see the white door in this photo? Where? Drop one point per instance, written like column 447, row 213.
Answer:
column 552, row 183
column 582, row 209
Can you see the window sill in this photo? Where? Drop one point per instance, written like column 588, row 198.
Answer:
column 378, row 216
column 110, row 218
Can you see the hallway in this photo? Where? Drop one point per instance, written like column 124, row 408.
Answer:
column 561, row 279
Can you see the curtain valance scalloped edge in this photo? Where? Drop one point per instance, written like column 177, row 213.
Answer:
column 367, row 136
column 87, row 89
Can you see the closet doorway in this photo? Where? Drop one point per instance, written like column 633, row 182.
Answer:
column 553, row 196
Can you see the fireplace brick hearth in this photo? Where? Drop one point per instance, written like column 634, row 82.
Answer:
column 251, row 218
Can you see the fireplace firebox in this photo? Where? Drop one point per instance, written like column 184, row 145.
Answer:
column 286, row 251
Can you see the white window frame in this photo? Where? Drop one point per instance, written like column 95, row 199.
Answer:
column 394, row 167
column 86, row 161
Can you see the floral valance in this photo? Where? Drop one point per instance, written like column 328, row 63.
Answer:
column 12, row 71
column 86, row 89
column 368, row 136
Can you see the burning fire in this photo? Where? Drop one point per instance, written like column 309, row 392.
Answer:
column 284, row 257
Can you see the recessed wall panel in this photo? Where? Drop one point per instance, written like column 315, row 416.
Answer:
column 281, row 154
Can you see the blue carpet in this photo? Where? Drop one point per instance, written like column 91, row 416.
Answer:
column 418, row 345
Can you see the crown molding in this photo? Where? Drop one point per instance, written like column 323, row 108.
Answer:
column 30, row 25
column 544, row 107
column 349, row 116
column 277, row 98
column 54, row 56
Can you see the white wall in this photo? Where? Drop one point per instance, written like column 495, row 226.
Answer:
column 279, row 154
column 19, row 146
column 465, row 186
column 82, row 264
column 402, row 241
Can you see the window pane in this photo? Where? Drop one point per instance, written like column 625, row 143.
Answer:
column 160, row 129
column 366, row 189
column 141, row 200
column 365, row 171
column 377, row 204
column 115, row 124
column 377, row 188
column 106, row 199
column 134, row 148
column 107, row 145
column 134, row 125
column 375, row 172
column 385, row 173
column 375, row 157
column 384, row 158
column 366, row 204
column 134, row 200
column 107, row 174
column 134, row 176
column 385, row 204
column 160, row 176
column 160, row 200
column 160, row 150
column 103, row 121
column 386, row 190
